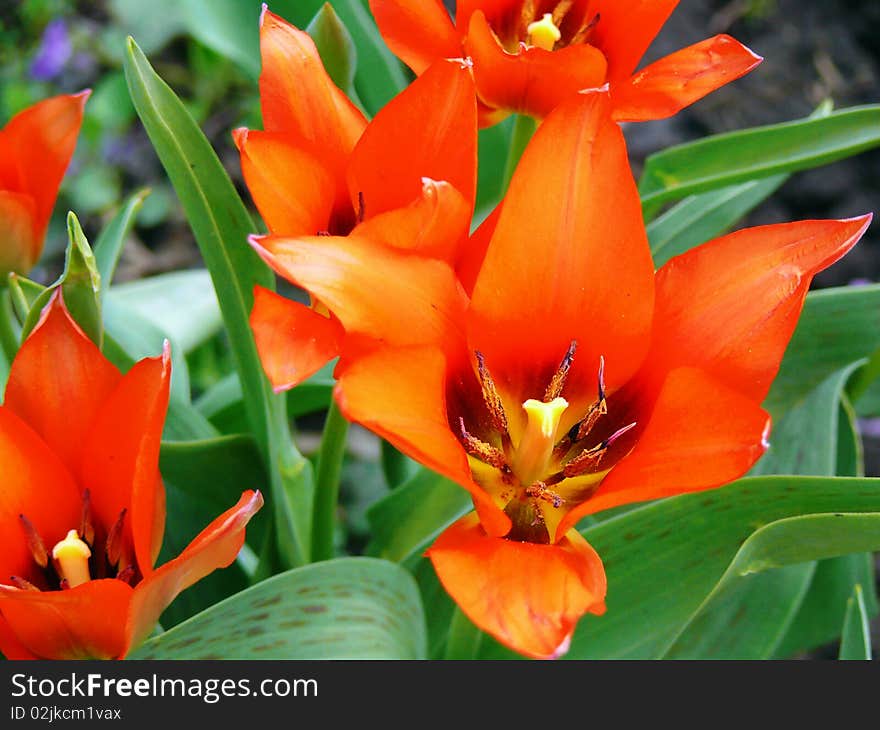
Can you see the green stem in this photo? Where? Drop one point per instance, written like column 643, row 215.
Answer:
column 8, row 336
column 523, row 130
column 329, row 470
column 464, row 638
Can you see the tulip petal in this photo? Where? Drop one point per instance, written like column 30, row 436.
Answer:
column 678, row 80
column 701, row 434
column 292, row 189
column 418, row 32
column 10, row 646
column 120, row 457
column 20, row 246
column 625, row 29
column 559, row 267
column 58, row 382
column 293, row 340
column 730, row 306
column 421, row 301
column 471, row 260
column 86, row 622
column 35, row 484
column 214, row 547
column 435, row 225
column 527, row 596
column 399, row 394
column 428, row 130
column 299, row 98
column 35, row 150
column 532, row 81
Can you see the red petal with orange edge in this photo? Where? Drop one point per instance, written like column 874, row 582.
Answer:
column 435, row 225
column 86, row 622
column 680, row 79
column 533, row 81
column 399, row 394
column 396, row 151
column 292, row 189
column 58, row 382
column 730, row 306
column 293, row 340
column 120, row 457
column 701, row 434
column 36, row 484
column 527, row 596
column 418, row 32
column 559, row 267
column 19, row 245
column 421, row 300
column 35, row 150
column 298, row 98
column 625, row 29
column 215, row 547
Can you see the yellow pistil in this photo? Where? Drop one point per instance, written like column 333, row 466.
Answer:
column 72, row 558
column 544, row 33
column 532, row 457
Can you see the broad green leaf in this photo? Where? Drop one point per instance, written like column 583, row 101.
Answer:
column 850, row 452
column 494, row 144
column 700, row 218
column 406, row 521
column 229, row 27
column 221, row 226
column 397, row 467
column 181, row 304
column 855, row 642
column 349, row 608
column 108, row 247
column 336, row 47
column 664, row 560
column 735, row 157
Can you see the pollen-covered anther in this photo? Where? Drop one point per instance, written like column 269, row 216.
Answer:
column 583, row 33
column 486, row 453
column 490, row 396
column 22, row 584
column 598, row 409
column 86, row 526
column 544, row 33
column 540, row 490
column 71, row 557
column 588, row 459
column 557, row 382
column 34, row 542
column 114, row 540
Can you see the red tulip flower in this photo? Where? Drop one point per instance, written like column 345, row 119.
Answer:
column 570, row 377
column 529, row 55
column 318, row 171
column 82, row 506
column 35, row 150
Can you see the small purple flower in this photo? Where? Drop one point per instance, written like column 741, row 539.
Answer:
column 55, row 51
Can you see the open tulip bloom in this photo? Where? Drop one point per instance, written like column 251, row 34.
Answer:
column 529, row 55
column 564, row 376
column 82, row 505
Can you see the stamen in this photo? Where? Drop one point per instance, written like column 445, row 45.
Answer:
column 34, row 542
column 584, row 31
column 72, row 559
column 526, row 16
column 114, row 540
column 486, row 453
column 539, row 490
column 598, row 409
column 22, row 584
column 544, row 33
column 561, row 10
column 126, row 574
column 86, row 527
column 591, row 457
column 362, row 208
column 557, row 383
column 491, row 397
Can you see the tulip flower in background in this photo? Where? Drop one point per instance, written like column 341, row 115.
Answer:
column 83, row 505
column 319, row 172
column 572, row 379
column 35, row 150
column 529, row 56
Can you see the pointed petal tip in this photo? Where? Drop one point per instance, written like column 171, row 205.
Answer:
column 264, row 8
column 239, row 137
column 83, row 96
column 166, row 357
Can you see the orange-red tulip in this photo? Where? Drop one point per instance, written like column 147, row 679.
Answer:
column 35, row 150
column 529, row 55
column 568, row 377
column 82, row 506
column 318, row 170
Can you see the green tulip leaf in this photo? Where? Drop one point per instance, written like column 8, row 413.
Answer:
column 108, row 247
column 855, row 641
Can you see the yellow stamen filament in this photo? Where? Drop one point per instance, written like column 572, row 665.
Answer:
column 544, row 33
column 72, row 558
column 535, row 449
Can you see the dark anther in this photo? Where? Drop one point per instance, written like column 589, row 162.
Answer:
column 362, row 208
column 114, row 540
column 126, row 574
column 491, row 397
column 557, row 382
column 486, row 453
column 22, row 584
column 86, row 527
column 34, row 542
